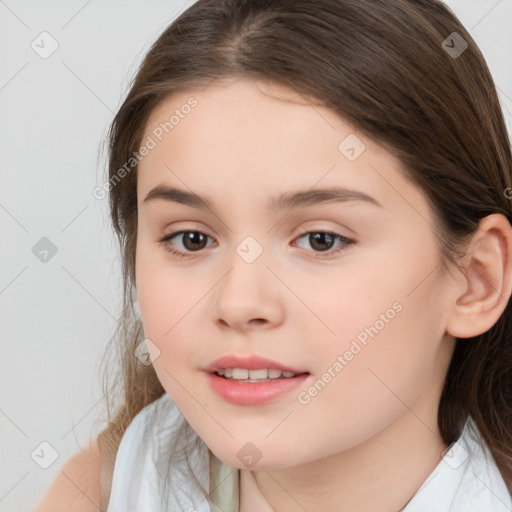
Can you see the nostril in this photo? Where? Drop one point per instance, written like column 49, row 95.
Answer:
column 258, row 320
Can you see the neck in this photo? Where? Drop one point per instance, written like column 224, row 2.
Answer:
column 383, row 473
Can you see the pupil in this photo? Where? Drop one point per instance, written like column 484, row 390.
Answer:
column 319, row 238
column 193, row 237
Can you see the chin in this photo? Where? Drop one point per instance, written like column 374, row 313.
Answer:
column 249, row 456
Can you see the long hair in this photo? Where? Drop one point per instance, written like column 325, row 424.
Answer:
column 398, row 73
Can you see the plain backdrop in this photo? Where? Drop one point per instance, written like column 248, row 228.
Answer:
column 60, row 287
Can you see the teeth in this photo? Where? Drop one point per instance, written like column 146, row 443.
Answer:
column 258, row 374
column 240, row 373
column 251, row 375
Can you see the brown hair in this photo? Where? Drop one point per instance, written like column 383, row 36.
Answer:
column 381, row 65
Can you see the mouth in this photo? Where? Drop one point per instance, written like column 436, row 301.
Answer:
column 253, row 380
column 259, row 375
column 252, row 368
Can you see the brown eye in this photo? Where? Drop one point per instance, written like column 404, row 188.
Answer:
column 194, row 240
column 191, row 241
column 323, row 241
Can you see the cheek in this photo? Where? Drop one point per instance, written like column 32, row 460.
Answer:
column 173, row 304
column 385, row 352
column 164, row 306
column 362, row 387
column 164, row 293
column 165, row 301
column 367, row 301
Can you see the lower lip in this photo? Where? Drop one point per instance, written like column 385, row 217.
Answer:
column 254, row 393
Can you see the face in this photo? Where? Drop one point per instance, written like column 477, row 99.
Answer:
column 344, row 289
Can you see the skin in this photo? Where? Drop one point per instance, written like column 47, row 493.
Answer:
column 369, row 439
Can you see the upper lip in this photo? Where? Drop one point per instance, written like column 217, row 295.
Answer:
column 250, row 363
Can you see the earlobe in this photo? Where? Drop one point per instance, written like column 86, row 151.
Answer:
column 487, row 279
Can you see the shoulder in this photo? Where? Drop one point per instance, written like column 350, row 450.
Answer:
column 481, row 485
column 77, row 486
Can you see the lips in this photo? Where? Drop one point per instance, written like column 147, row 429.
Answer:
column 268, row 380
column 250, row 363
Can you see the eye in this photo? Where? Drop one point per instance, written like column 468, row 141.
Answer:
column 323, row 241
column 191, row 240
column 194, row 241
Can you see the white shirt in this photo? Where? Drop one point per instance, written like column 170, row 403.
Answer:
column 465, row 480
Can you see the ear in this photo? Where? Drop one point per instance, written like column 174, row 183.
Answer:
column 487, row 280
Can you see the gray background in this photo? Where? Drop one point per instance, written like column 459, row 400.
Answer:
column 58, row 315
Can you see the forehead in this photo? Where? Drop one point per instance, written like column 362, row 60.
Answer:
column 245, row 139
column 253, row 111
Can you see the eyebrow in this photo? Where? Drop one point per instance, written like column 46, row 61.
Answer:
column 288, row 200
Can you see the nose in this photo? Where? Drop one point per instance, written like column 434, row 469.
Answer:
column 248, row 297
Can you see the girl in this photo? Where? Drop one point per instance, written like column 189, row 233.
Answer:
column 312, row 202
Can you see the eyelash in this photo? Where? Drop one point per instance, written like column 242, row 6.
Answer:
column 320, row 255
